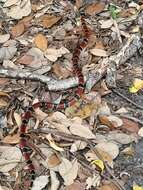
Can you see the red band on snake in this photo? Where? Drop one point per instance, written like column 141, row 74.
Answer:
column 50, row 106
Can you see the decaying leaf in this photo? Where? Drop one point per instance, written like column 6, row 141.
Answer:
column 91, row 156
column 130, row 126
column 99, row 52
column 20, row 10
column 9, row 3
column 53, row 160
column 111, row 148
column 78, row 145
column 140, row 132
column 40, row 182
column 25, row 59
column 3, row 103
column 93, row 181
column 60, row 71
column 106, row 23
column 7, row 52
column 68, row 170
column 41, row 42
column 109, row 186
column 121, row 137
column 54, row 180
column 76, row 128
column 17, row 30
column 11, row 139
column 95, row 8
column 111, row 121
column 9, row 158
column 53, row 54
column 17, row 118
column 76, row 186
column 48, row 20
column 4, row 38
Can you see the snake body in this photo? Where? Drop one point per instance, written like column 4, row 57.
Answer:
column 51, row 106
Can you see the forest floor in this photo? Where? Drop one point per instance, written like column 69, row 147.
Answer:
column 97, row 143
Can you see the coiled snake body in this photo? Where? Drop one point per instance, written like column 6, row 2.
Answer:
column 47, row 105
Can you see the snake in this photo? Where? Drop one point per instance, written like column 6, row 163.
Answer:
column 52, row 106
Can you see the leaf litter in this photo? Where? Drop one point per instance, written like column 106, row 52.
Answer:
column 39, row 36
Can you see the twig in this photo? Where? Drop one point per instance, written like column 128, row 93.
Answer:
column 127, row 51
column 129, row 100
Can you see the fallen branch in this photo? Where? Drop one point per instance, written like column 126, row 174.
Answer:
column 127, row 51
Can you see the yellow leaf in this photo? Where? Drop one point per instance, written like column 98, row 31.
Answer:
column 99, row 163
column 41, row 42
column 136, row 86
column 136, row 187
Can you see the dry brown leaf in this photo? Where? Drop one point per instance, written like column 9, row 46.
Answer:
column 95, row 8
column 90, row 156
column 17, row 30
column 125, row 13
column 98, row 52
column 111, row 148
column 3, row 103
column 25, row 60
column 60, row 71
column 130, row 126
column 68, row 170
column 76, row 128
column 53, row 54
column 86, row 110
column 110, row 186
column 48, row 20
column 26, row 21
column 76, row 186
column 41, row 42
column 11, row 139
column 4, row 94
column 78, row 3
column 111, row 121
column 53, row 161
column 3, row 81
column 121, row 137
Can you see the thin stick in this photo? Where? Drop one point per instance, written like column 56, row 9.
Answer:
column 129, row 100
